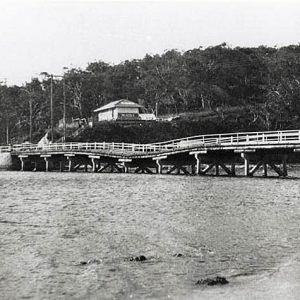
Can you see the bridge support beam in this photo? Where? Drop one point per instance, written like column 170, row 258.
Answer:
column 265, row 167
column 143, row 169
column 22, row 159
column 255, row 168
column 264, row 161
column 70, row 158
column 178, row 167
column 47, row 164
column 246, row 164
column 46, row 159
column 217, row 169
column 93, row 165
column 158, row 163
column 214, row 161
column 35, row 166
column 70, row 169
column 159, row 166
column 110, row 165
column 197, row 156
column 125, row 162
column 95, row 159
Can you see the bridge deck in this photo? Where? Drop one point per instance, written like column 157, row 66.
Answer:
column 246, row 140
column 186, row 155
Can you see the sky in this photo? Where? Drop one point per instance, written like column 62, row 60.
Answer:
column 48, row 35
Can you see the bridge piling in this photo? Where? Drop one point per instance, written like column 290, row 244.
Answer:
column 284, row 165
column 22, row 159
column 246, row 164
column 61, row 165
column 159, row 163
column 265, row 168
column 46, row 158
column 95, row 160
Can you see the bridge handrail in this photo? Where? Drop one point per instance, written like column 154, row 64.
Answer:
column 240, row 138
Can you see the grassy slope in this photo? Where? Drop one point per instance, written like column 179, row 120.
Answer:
column 231, row 120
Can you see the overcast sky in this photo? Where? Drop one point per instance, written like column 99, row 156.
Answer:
column 38, row 36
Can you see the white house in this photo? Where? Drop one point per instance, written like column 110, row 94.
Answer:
column 122, row 109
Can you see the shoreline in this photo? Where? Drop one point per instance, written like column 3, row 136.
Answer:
column 281, row 283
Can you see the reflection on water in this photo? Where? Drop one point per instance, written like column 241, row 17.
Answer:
column 70, row 235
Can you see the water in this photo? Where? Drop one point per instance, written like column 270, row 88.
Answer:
column 246, row 229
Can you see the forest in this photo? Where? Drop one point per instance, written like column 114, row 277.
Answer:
column 259, row 87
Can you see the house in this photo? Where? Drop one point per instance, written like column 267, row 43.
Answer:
column 122, row 110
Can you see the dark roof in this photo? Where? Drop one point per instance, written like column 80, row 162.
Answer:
column 118, row 103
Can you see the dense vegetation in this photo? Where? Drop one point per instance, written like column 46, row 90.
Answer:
column 263, row 83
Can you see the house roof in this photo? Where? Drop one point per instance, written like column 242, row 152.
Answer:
column 118, row 103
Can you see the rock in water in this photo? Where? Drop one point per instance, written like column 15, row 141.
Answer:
column 213, row 281
column 178, row 255
column 138, row 258
column 90, row 261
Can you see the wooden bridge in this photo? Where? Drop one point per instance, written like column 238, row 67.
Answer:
column 230, row 154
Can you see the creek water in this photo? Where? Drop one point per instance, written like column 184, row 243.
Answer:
column 70, row 236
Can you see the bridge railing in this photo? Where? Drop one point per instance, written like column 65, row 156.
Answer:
column 228, row 139
column 244, row 138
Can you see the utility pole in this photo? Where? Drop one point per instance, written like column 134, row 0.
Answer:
column 30, row 114
column 51, row 106
column 5, row 108
column 64, row 113
column 7, row 129
column 30, row 119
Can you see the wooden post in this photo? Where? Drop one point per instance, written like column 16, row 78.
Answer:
column 125, row 162
column 159, row 166
column 178, row 169
column 265, row 166
column 158, row 163
column 69, row 157
column 198, row 163
column 95, row 159
column 47, row 164
column 93, row 164
column 46, row 159
column 22, row 163
column 217, row 169
column 22, row 159
column 70, row 163
column 35, row 166
column 233, row 169
column 246, row 164
column 193, row 170
column 198, row 160
column 61, row 166
column 284, row 166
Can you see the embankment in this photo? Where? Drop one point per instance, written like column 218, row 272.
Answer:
column 5, row 161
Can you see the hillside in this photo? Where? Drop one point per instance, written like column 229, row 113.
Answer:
column 204, row 86
column 227, row 120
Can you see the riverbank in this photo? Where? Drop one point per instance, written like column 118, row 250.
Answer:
column 280, row 283
column 5, row 161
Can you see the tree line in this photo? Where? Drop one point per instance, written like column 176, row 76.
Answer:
column 266, row 80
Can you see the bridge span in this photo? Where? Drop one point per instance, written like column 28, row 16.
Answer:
column 247, row 153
